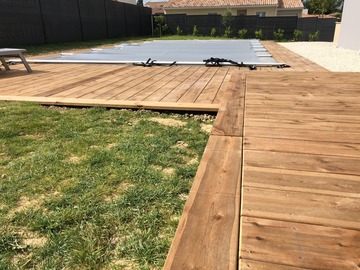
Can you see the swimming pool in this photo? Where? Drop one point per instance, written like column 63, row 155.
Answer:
column 179, row 52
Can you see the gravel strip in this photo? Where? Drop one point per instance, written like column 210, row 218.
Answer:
column 327, row 55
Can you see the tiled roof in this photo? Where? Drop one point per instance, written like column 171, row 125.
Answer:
column 290, row 4
column 157, row 7
column 229, row 3
column 218, row 3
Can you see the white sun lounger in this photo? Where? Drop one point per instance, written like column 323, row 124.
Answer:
column 14, row 53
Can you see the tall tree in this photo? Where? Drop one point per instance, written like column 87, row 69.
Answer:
column 323, row 6
column 140, row 3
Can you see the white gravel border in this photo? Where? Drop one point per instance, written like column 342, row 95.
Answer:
column 327, row 55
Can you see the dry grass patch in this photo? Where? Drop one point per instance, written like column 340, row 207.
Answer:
column 26, row 204
column 206, row 128
column 168, row 122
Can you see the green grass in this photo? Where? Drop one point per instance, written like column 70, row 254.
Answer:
column 92, row 188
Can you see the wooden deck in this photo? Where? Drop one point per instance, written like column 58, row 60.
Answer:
column 278, row 186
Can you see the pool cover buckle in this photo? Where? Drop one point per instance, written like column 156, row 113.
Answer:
column 218, row 62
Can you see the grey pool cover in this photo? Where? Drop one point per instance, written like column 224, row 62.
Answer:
column 248, row 52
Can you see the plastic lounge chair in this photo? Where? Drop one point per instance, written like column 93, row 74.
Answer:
column 14, row 53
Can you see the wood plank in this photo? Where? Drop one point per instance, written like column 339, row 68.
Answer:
column 246, row 264
column 303, row 124
column 219, row 171
column 304, row 134
column 173, row 84
column 303, row 162
column 208, row 232
column 134, row 88
column 211, row 89
column 169, row 106
column 299, row 117
column 131, row 82
column 300, row 181
column 304, row 77
column 316, row 108
column 83, row 78
column 219, row 98
column 324, row 97
column 299, row 245
column 99, row 84
column 207, row 235
column 311, row 208
column 301, row 146
column 45, row 80
column 229, row 121
column 197, row 79
column 148, row 91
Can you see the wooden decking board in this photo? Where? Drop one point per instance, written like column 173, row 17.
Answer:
column 300, row 181
column 165, row 90
column 80, row 81
column 133, row 82
column 303, row 162
column 190, row 81
column 214, row 177
column 145, row 93
column 274, row 116
column 213, row 88
column 247, row 264
column 297, row 62
column 210, row 219
column 307, row 246
column 193, row 93
column 299, row 127
column 132, row 89
column 37, row 82
column 99, row 84
column 229, row 121
column 220, row 96
column 307, row 208
column 302, row 147
column 305, row 124
column 168, row 106
column 303, row 134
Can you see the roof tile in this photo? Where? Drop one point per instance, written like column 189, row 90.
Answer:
column 229, row 3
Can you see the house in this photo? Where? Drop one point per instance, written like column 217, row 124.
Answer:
column 133, row 2
column 237, row 7
column 156, row 7
column 350, row 26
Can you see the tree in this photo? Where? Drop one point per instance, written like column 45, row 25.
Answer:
column 227, row 19
column 323, row 6
column 140, row 3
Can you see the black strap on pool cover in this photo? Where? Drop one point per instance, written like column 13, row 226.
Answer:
column 211, row 62
column 150, row 63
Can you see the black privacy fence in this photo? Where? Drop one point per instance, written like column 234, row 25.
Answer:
column 206, row 23
column 26, row 22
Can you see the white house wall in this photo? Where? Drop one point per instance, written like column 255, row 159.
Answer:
column 350, row 26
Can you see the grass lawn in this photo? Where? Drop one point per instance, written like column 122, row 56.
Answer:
column 93, row 188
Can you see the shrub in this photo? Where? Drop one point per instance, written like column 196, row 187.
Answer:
column 258, row 34
column 227, row 18
column 178, row 31
column 159, row 22
column 279, row 34
column 297, row 35
column 213, row 32
column 195, row 31
column 227, row 32
column 242, row 33
column 314, row 37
